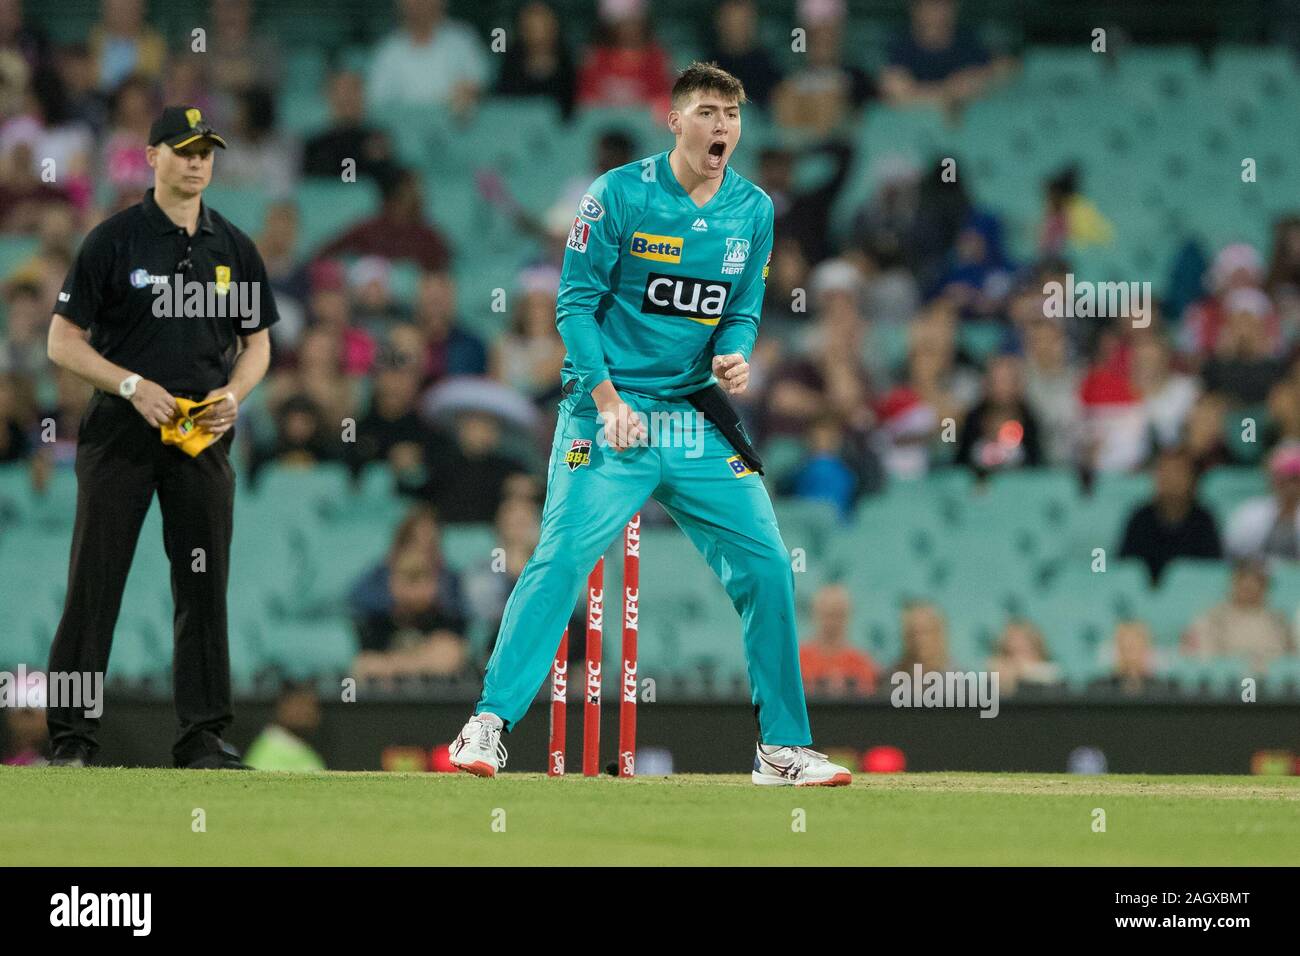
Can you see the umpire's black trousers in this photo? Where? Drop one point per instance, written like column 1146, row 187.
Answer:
column 121, row 462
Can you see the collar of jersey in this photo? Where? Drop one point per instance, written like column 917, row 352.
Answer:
column 162, row 225
column 675, row 187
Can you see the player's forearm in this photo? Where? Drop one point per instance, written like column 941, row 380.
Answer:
column 69, row 350
column 581, row 337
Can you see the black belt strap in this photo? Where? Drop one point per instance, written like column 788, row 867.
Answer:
column 712, row 403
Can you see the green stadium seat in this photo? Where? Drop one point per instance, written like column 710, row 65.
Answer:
column 1217, row 676
column 1187, row 588
column 327, row 207
column 1283, row 676
column 467, row 545
column 245, row 207
column 298, row 649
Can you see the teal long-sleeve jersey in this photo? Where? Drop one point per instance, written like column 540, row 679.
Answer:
column 654, row 286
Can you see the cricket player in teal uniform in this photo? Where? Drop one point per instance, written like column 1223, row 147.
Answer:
column 661, row 294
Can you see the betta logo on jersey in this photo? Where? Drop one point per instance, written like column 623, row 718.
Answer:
column 657, row 248
column 738, row 466
column 696, row 299
column 579, row 454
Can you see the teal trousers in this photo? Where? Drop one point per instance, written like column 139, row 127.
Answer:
column 724, row 509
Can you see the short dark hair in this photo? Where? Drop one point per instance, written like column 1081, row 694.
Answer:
column 707, row 77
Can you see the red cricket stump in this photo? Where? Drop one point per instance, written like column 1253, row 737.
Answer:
column 591, row 710
column 631, row 614
column 559, row 708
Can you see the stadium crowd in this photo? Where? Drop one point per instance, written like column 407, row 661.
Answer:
column 922, row 261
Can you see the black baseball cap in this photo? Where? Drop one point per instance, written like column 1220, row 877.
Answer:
column 181, row 125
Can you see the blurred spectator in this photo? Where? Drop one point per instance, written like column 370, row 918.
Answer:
column 1069, row 219
column 1245, row 363
column 1243, row 625
column 278, row 245
column 1021, row 658
column 399, row 231
column 935, row 389
column 302, row 439
column 76, row 68
column 1000, row 431
column 530, row 354
column 825, row 474
column 259, row 155
column 1282, row 424
column 124, row 164
column 821, row 95
column 1282, row 283
column 316, row 369
column 123, row 44
column 186, row 81
column 430, row 61
column 1167, row 396
column 804, row 214
column 1205, row 440
column 537, row 62
column 467, row 477
column 27, row 322
column 488, row 582
column 734, row 45
column 614, row 147
column 942, row 209
column 16, row 406
column 392, row 430
column 1236, row 267
column 1114, row 435
column 1174, row 524
column 934, row 63
column 375, row 307
column 283, row 743
column 418, row 635
column 18, row 39
column 449, row 348
column 828, row 660
column 419, row 531
column 55, row 143
column 26, row 736
column 1052, row 390
column 1133, row 667
column 827, row 372
column 1269, row 526
column 241, row 59
column 71, row 396
column 925, row 639
column 350, row 136
column 978, row 275
column 625, row 66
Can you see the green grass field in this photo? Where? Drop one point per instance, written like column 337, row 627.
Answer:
column 134, row 817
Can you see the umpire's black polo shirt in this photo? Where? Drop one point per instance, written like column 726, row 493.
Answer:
column 110, row 291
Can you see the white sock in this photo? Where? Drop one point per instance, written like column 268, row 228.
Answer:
column 492, row 720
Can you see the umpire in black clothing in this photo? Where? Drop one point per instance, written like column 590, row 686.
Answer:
column 117, row 324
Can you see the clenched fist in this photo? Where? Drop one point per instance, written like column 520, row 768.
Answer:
column 732, row 373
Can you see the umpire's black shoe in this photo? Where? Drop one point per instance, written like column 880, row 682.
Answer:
column 227, row 758
column 71, row 755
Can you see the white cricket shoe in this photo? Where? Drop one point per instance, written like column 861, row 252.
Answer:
column 797, row 767
column 478, row 749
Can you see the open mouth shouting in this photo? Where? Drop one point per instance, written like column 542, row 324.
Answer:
column 714, row 158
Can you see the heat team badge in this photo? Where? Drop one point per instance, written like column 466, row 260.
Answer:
column 579, row 454
column 738, row 466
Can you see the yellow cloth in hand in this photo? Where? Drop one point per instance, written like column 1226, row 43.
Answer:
column 185, row 432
